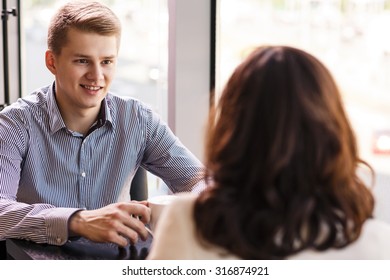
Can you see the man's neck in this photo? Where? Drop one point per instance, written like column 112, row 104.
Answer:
column 79, row 122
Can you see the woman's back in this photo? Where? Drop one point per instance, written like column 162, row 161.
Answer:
column 372, row 244
column 176, row 238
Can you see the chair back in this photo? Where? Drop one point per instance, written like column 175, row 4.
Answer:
column 3, row 250
column 139, row 185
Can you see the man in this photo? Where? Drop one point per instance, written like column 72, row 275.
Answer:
column 69, row 151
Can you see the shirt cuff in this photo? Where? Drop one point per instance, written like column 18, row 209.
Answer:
column 57, row 224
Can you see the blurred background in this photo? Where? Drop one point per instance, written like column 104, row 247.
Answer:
column 350, row 37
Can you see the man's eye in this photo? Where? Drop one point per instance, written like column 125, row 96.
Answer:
column 82, row 60
column 107, row 61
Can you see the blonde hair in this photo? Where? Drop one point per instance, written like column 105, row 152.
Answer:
column 85, row 16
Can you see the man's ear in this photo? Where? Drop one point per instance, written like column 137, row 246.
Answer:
column 50, row 62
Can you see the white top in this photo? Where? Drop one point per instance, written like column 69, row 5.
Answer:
column 175, row 238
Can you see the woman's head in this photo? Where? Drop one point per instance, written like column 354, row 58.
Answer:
column 280, row 149
column 281, row 111
column 85, row 16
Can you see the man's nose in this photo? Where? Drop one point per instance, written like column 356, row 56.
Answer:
column 95, row 72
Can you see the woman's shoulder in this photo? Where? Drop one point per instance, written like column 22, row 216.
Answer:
column 373, row 243
column 183, row 201
column 376, row 230
column 177, row 238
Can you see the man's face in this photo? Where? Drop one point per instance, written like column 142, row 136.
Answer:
column 83, row 70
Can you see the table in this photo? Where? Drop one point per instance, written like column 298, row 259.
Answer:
column 76, row 249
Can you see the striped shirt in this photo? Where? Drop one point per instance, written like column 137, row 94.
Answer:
column 48, row 172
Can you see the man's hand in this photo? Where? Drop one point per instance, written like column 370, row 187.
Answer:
column 117, row 223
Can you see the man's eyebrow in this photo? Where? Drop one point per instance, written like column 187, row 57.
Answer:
column 79, row 55
column 109, row 57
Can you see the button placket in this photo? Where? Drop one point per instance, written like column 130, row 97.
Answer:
column 83, row 174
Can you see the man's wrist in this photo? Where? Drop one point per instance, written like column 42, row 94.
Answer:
column 73, row 224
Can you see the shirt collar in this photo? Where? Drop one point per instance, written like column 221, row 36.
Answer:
column 56, row 121
column 105, row 112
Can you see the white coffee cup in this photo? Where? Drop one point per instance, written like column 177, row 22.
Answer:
column 157, row 204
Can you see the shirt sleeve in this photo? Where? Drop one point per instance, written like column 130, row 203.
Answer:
column 166, row 157
column 41, row 223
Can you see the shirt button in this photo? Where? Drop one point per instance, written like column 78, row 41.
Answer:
column 59, row 239
column 83, row 174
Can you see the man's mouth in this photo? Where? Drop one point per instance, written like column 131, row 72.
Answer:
column 91, row 87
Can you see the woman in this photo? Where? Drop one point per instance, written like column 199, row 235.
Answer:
column 282, row 161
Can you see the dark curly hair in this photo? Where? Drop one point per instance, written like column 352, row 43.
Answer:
column 282, row 161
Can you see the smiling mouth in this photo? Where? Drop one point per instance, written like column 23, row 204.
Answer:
column 91, row 87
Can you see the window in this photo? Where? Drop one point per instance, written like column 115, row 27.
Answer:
column 9, row 53
column 350, row 37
